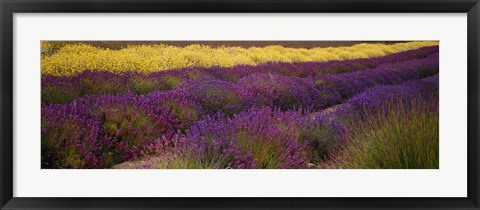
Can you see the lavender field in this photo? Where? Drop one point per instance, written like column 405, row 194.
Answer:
column 159, row 106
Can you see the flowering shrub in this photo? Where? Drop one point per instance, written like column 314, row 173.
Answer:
column 131, row 122
column 289, row 92
column 178, row 104
column 71, row 138
column 400, row 136
column 257, row 138
column 119, row 128
column 374, row 98
column 219, row 96
column 349, row 84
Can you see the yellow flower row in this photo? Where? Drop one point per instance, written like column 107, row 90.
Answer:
column 75, row 58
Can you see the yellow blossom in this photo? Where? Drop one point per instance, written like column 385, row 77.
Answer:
column 71, row 59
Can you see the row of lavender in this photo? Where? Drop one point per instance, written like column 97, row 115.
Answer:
column 270, row 138
column 100, row 131
column 64, row 89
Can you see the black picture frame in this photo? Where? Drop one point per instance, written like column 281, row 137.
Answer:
column 9, row 7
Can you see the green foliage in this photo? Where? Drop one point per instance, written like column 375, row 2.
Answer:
column 401, row 136
column 172, row 81
column 143, row 86
column 55, row 95
column 321, row 139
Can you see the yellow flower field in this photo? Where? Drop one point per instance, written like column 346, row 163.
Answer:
column 75, row 58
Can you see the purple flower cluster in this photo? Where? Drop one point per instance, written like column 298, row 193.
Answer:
column 178, row 104
column 99, row 131
column 289, row 92
column 218, row 96
column 71, row 138
column 375, row 98
column 350, row 84
column 258, row 138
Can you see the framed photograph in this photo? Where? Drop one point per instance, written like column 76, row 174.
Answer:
column 239, row 105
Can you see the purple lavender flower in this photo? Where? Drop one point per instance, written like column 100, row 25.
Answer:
column 289, row 92
column 218, row 96
column 350, row 84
